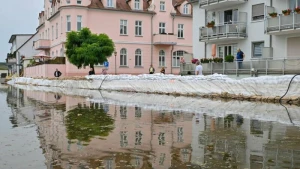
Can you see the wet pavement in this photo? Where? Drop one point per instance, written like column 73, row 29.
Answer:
column 54, row 131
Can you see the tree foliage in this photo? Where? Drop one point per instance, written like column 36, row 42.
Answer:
column 84, row 48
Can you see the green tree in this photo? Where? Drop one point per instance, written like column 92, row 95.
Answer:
column 84, row 48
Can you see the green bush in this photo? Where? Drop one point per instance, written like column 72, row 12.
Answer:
column 229, row 58
column 218, row 60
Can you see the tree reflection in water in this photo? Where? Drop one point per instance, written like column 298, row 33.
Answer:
column 84, row 123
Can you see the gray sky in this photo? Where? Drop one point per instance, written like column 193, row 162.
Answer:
column 18, row 17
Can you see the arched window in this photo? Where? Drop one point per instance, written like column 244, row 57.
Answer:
column 138, row 57
column 162, row 58
column 186, row 9
column 123, row 57
column 176, row 58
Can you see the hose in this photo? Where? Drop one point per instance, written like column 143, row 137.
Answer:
column 280, row 100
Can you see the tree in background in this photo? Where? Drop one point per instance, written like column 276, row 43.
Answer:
column 84, row 48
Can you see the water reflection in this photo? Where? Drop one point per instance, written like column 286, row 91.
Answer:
column 76, row 133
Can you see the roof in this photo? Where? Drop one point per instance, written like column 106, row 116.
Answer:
column 13, row 37
column 124, row 6
column 26, row 41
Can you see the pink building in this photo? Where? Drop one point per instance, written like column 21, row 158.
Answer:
column 145, row 32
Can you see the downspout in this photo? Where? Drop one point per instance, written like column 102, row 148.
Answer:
column 270, row 36
column 152, row 39
column 173, row 19
column 205, row 44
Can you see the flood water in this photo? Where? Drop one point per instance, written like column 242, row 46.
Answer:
column 53, row 131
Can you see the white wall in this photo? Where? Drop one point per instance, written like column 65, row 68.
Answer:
column 28, row 50
column 198, row 21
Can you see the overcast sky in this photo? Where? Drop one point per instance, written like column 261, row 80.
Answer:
column 17, row 17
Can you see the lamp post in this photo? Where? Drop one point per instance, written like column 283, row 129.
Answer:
column 115, row 62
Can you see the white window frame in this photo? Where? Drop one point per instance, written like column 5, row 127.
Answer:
column 79, row 22
column 110, row 3
column 162, row 58
column 123, row 27
column 138, row 58
column 162, row 6
column 52, row 32
column 46, row 32
column 222, row 47
column 180, row 31
column 138, row 28
column 68, row 1
column 69, row 24
column 256, row 17
column 56, row 33
column 253, row 49
column 176, row 58
column 185, row 9
column 79, row 2
column 123, row 57
column 61, row 25
column 162, row 28
column 137, row 4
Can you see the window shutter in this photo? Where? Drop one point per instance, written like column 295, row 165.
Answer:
column 258, row 10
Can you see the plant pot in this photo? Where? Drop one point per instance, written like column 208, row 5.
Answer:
column 286, row 14
column 298, row 12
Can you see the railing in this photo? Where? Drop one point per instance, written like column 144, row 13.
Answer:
column 282, row 22
column 234, row 30
column 208, row 2
column 42, row 44
column 252, row 67
column 164, row 39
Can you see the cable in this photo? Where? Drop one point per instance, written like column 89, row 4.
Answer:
column 280, row 100
column 102, row 82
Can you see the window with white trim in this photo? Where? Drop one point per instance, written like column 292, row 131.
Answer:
column 79, row 2
column 186, row 9
column 162, row 6
column 138, row 28
column 258, row 11
column 293, row 4
column 257, row 48
column 61, row 52
column 123, row 57
column 56, row 30
column 138, row 138
column 162, row 28
column 123, row 27
column 56, row 53
column 136, row 4
column 180, row 31
column 61, row 25
column 46, row 36
column 79, row 22
column 52, row 32
column 176, row 58
column 162, row 58
column 138, row 57
column 225, row 50
column 68, row 23
column 68, row 1
column 109, row 3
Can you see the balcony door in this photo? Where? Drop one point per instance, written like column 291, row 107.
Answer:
column 228, row 16
column 224, row 50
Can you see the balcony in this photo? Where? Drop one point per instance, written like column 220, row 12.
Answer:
column 164, row 39
column 42, row 44
column 283, row 25
column 215, row 4
column 225, row 32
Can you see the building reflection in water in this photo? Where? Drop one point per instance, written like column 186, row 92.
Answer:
column 142, row 138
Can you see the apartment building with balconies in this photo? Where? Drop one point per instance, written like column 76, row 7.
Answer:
column 145, row 32
column 246, row 24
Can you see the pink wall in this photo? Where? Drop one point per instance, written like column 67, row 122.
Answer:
column 98, row 22
column 46, row 70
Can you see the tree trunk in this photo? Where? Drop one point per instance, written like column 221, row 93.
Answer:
column 92, row 66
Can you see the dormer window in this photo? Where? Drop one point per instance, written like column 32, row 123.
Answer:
column 162, row 6
column 109, row 3
column 136, row 4
column 186, row 9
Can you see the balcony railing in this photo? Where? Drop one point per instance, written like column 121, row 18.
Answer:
column 213, row 4
column 251, row 67
column 164, row 39
column 42, row 44
column 283, row 24
column 236, row 30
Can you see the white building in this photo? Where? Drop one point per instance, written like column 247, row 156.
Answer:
column 22, row 45
column 246, row 25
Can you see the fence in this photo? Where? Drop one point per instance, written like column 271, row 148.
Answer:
column 252, row 67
